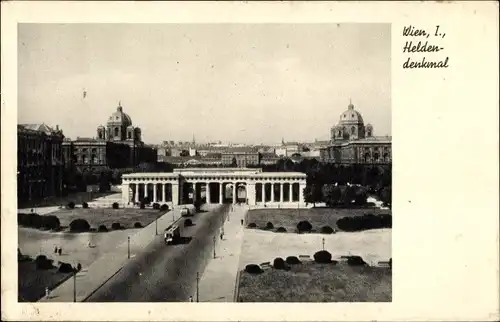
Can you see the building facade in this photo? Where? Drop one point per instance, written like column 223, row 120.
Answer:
column 40, row 162
column 353, row 142
column 117, row 145
column 240, row 159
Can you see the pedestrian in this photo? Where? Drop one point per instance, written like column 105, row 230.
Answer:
column 190, row 299
column 47, row 292
column 242, row 222
column 55, row 250
column 221, row 234
column 60, row 251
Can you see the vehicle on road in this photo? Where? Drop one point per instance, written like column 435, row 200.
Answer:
column 188, row 210
column 172, row 235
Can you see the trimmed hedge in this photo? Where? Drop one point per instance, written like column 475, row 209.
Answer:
column 356, row 261
column 70, row 205
column 164, row 207
column 323, row 256
column 281, row 230
column 293, row 260
column 327, row 230
column 34, row 220
column 137, row 225
column 188, row 222
column 269, row 225
column 85, row 205
column 253, row 269
column 156, row 206
column 116, row 205
column 42, row 262
column 304, row 226
column 142, row 205
column 252, row 225
column 79, row 225
column 365, row 222
column 65, row 268
column 102, row 229
column 116, row 226
column 279, row 263
column 51, row 222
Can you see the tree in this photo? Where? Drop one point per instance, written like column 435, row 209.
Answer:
column 313, row 193
column 332, row 195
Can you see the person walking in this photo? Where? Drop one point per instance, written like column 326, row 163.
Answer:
column 47, row 292
column 60, row 251
column 55, row 250
column 242, row 222
column 190, row 299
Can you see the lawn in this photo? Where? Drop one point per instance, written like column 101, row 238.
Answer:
column 318, row 217
column 312, row 282
column 32, row 282
column 107, row 216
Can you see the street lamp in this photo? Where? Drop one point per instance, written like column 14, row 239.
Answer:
column 197, row 286
column 156, row 226
column 128, row 246
column 214, row 245
column 74, row 286
column 323, row 243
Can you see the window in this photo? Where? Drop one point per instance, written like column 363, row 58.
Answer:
column 94, row 159
column 116, row 131
column 353, row 130
column 129, row 135
column 100, row 135
column 84, row 159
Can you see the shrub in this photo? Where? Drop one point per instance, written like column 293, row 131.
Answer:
column 79, row 225
column 304, row 226
column 252, row 225
column 164, row 207
column 32, row 220
column 116, row 226
column 116, row 205
column 253, row 269
column 142, row 205
column 364, row 222
column 323, row 257
column 65, row 268
column 279, row 263
column 42, row 262
column 293, row 260
column 356, row 261
column 70, row 205
column 156, row 206
column 51, row 222
column 327, row 230
column 102, row 229
column 85, row 205
column 281, row 230
column 188, row 222
column 137, row 225
column 269, row 225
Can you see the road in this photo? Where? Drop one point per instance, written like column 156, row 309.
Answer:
column 164, row 273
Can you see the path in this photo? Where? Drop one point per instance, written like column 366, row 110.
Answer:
column 108, row 265
column 217, row 283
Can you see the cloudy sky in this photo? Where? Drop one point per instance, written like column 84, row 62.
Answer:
column 251, row 83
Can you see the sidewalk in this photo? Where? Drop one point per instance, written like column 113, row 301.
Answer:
column 105, row 267
column 217, row 284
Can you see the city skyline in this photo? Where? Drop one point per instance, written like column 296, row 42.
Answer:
column 244, row 83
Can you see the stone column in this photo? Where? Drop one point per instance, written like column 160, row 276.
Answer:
column 137, row 192
column 221, row 186
column 175, row 193
column 290, row 186
column 155, row 188
column 302, row 186
column 163, row 196
column 145, row 190
column 194, row 191
column 234, row 193
column 272, row 192
column 281, row 192
column 208, row 193
column 251, row 194
column 125, row 193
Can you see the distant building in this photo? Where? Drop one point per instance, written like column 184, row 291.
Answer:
column 118, row 145
column 353, row 142
column 241, row 156
column 40, row 163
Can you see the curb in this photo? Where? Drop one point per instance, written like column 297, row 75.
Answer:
column 96, row 289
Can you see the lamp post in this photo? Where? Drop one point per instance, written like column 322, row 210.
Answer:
column 197, row 286
column 214, row 239
column 74, row 286
column 323, row 243
column 156, row 226
column 128, row 246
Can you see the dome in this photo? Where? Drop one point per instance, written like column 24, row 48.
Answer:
column 130, row 127
column 120, row 117
column 100, row 127
column 351, row 116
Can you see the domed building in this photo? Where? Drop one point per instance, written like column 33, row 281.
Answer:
column 117, row 145
column 351, row 141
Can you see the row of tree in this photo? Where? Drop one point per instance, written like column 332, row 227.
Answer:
column 335, row 195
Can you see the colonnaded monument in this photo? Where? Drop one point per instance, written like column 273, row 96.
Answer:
column 229, row 185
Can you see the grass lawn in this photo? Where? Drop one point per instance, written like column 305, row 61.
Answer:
column 318, row 217
column 312, row 282
column 107, row 216
column 32, row 282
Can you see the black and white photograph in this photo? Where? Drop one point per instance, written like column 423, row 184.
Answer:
column 204, row 163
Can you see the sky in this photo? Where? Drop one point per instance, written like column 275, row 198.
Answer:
column 246, row 83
